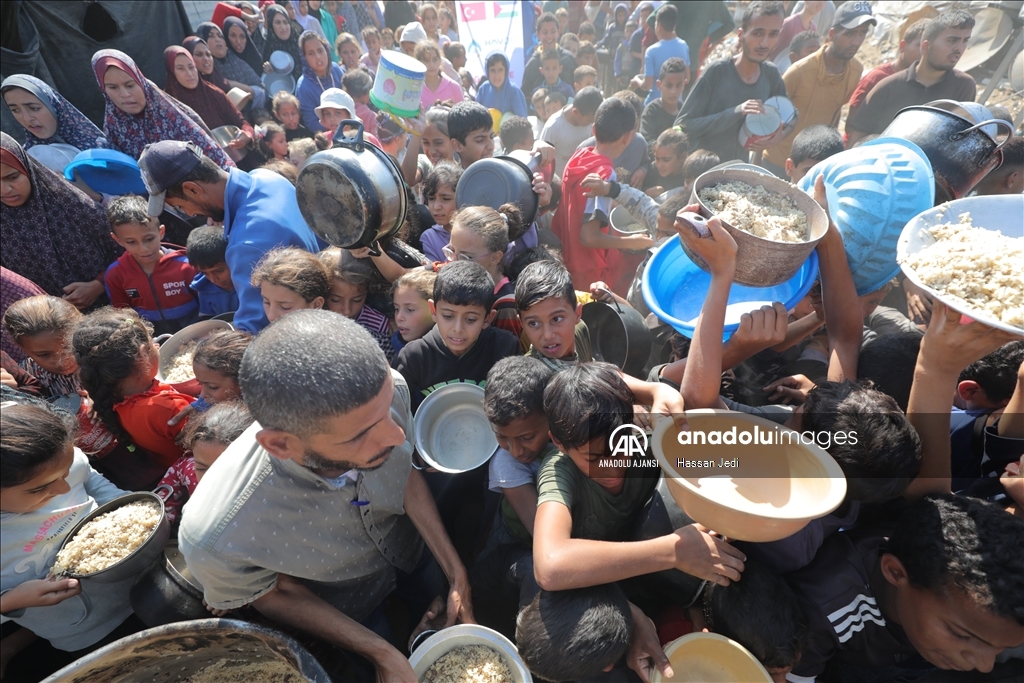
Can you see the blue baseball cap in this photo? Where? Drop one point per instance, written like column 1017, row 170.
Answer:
column 164, row 164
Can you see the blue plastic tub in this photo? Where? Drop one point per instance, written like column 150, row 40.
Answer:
column 107, row 171
column 873, row 191
column 674, row 288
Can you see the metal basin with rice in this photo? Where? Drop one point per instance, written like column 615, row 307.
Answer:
column 762, row 262
column 174, row 652
column 747, row 492
column 140, row 559
column 710, row 658
column 440, row 643
column 169, row 350
column 1003, row 213
column 623, row 223
column 452, row 431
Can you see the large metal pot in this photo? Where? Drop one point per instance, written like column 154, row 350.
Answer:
column 426, row 651
column 177, row 651
column 960, row 152
column 352, row 195
column 618, row 335
column 168, row 592
column 762, row 262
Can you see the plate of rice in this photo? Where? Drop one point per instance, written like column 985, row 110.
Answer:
column 118, row 539
column 756, row 210
column 969, row 254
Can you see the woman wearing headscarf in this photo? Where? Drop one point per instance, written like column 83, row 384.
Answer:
column 237, row 36
column 205, row 63
column 46, row 116
column 213, row 106
column 139, row 113
column 281, row 38
column 232, row 67
column 306, row 19
column 318, row 74
column 327, row 24
column 254, row 23
column 53, row 234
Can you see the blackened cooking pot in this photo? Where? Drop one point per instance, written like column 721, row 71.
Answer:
column 352, row 195
column 168, row 592
column 960, row 152
column 618, row 335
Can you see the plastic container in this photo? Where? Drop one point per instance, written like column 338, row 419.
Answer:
column 674, row 288
column 107, row 171
column 1004, row 213
column 757, row 127
column 55, row 156
column 711, row 658
column 762, row 262
column 787, row 112
column 759, row 493
column 873, row 191
column 398, row 84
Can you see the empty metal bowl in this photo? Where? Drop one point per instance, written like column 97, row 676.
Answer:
column 281, row 62
column 225, row 135
column 452, row 431
column 274, row 83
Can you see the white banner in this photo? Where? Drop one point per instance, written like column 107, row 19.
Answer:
column 489, row 27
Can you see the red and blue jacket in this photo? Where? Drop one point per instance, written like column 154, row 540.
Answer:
column 163, row 298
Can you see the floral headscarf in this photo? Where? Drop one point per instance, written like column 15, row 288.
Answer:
column 164, row 118
column 73, row 127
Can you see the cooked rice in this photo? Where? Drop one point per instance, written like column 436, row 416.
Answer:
column 754, row 209
column 979, row 267
column 108, row 539
column 180, row 367
column 240, row 671
column 469, row 664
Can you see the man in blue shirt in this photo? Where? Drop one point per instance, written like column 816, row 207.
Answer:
column 669, row 45
column 259, row 212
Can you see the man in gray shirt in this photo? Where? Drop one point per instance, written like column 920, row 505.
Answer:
column 311, row 516
column 728, row 90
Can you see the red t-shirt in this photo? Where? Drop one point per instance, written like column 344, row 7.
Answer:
column 869, row 81
column 144, row 416
column 586, row 265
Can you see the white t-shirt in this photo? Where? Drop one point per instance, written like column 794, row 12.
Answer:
column 564, row 137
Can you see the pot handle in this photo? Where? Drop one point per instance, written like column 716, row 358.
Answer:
column 356, row 141
column 374, row 248
column 996, row 122
column 695, row 222
column 615, row 302
column 161, row 338
column 85, row 603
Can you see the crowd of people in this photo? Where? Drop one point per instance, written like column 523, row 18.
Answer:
column 319, row 517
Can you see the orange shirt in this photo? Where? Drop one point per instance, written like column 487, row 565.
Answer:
column 144, row 416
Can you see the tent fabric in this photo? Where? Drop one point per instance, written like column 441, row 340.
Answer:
column 57, row 50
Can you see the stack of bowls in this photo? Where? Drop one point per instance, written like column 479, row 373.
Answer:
column 280, row 79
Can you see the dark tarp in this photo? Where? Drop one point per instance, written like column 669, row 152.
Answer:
column 55, row 42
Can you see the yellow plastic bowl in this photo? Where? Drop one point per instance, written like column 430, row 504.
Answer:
column 711, row 658
column 743, row 491
column 496, row 120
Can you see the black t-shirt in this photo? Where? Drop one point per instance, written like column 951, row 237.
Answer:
column 427, row 363
column 846, row 627
column 300, row 132
column 655, row 120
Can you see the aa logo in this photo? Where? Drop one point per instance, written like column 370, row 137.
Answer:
column 627, row 441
